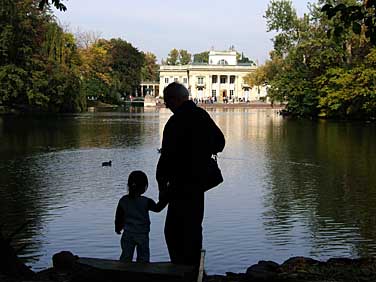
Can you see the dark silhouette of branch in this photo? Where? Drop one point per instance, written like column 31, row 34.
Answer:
column 354, row 17
column 57, row 3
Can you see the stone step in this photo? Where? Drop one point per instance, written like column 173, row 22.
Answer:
column 134, row 271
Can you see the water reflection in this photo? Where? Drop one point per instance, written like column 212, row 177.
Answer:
column 324, row 192
column 52, row 166
column 291, row 187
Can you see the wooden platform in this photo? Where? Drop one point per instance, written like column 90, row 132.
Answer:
column 115, row 270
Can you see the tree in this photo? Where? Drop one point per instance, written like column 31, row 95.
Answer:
column 39, row 61
column 173, row 57
column 241, row 58
column 319, row 75
column 126, row 64
column 57, row 3
column 86, row 38
column 178, row 57
column 149, row 71
column 202, row 57
column 21, row 22
column 347, row 92
column 95, row 70
column 359, row 16
column 258, row 77
column 281, row 17
column 20, row 25
column 185, row 58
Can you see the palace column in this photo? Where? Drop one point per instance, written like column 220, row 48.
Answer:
column 193, row 87
column 219, row 88
column 208, row 88
column 236, row 86
column 228, row 86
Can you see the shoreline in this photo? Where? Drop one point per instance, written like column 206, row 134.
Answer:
column 95, row 107
column 250, row 105
column 68, row 267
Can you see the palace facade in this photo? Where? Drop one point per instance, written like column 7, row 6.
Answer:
column 222, row 79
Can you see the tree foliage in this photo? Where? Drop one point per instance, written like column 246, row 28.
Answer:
column 349, row 92
column 257, row 78
column 126, row 63
column 42, row 68
column 315, row 74
column 242, row 59
column 173, row 57
column 150, row 69
column 185, row 57
column 202, row 57
column 360, row 17
column 39, row 61
column 178, row 57
column 57, row 3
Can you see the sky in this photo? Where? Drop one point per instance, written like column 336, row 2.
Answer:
column 158, row 26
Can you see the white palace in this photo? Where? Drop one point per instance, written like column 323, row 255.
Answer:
column 222, row 79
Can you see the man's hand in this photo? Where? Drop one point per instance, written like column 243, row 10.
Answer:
column 162, row 186
column 163, row 196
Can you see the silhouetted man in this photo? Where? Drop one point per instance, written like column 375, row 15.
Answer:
column 190, row 137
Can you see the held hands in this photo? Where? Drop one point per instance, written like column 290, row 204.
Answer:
column 164, row 191
column 163, row 186
column 163, row 196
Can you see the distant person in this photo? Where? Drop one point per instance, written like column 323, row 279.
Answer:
column 132, row 216
column 190, row 137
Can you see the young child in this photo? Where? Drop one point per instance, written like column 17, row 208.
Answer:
column 132, row 216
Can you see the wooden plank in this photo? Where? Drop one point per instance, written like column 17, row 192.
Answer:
column 201, row 268
column 154, row 268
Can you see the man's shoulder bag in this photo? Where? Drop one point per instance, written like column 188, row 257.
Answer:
column 214, row 175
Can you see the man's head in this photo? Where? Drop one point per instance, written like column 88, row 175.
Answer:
column 174, row 95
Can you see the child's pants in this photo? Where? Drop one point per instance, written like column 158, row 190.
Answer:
column 129, row 241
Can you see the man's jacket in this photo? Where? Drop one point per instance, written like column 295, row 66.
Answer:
column 190, row 137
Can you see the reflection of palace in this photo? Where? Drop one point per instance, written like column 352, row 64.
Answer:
column 222, row 79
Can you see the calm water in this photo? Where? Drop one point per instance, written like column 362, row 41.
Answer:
column 292, row 188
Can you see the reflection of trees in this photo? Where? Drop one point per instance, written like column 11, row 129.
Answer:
column 33, row 173
column 23, row 190
column 26, row 136
column 322, row 174
column 19, row 202
column 23, row 136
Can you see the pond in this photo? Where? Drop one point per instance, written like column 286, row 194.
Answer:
column 292, row 187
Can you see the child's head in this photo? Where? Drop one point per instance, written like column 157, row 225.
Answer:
column 137, row 183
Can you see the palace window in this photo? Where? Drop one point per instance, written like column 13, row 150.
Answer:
column 200, row 80
column 222, row 62
column 176, row 79
column 214, row 93
column 214, row 79
column 231, row 93
column 223, row 79
column 166, row 80
column 232, row 79
column 185, row 80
